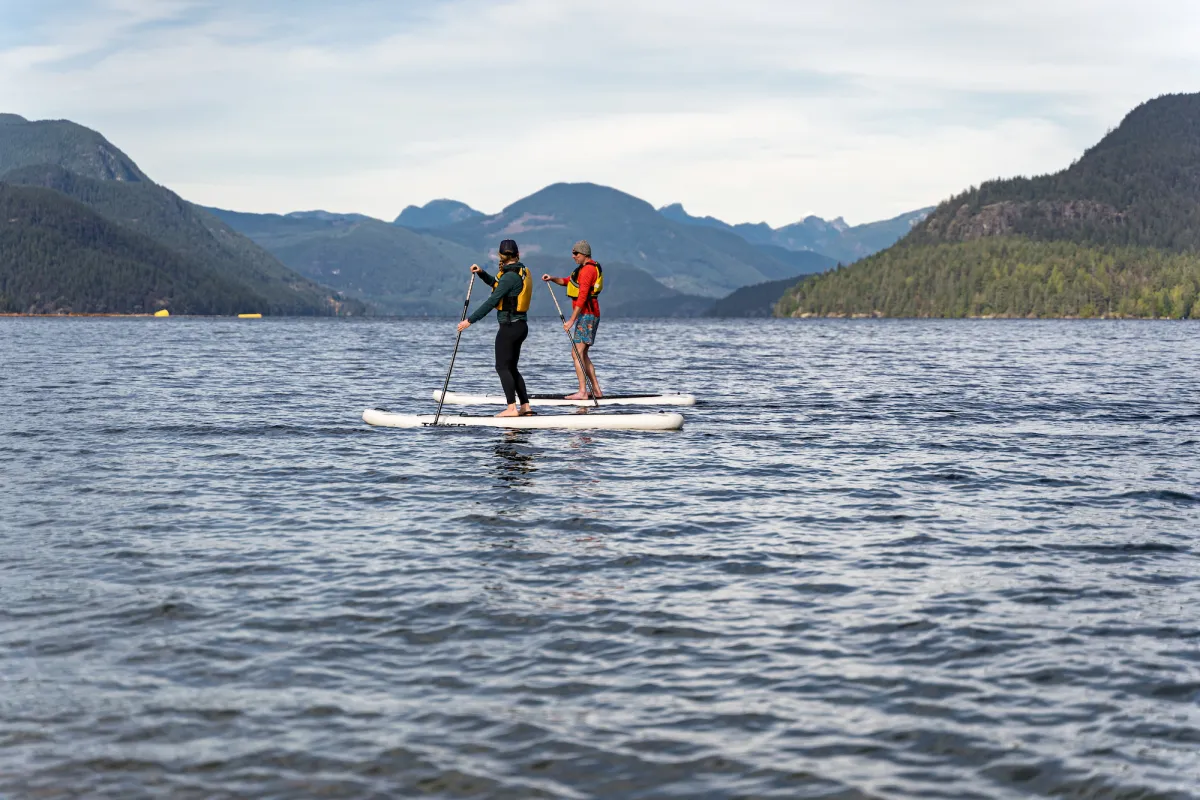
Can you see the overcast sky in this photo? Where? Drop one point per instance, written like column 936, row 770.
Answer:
column 748, row 110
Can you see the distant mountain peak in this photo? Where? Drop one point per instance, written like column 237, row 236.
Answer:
column 586, row 197
column 676, row 212
column 65, row 144
column 439, row 213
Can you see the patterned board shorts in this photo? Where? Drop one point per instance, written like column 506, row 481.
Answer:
column 585, row 329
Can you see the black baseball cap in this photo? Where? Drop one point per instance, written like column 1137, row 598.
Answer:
column 509, row 248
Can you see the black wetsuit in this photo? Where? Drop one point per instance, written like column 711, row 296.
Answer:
column 512, row 332
column 509, row 339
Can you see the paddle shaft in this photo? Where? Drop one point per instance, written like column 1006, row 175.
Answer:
column 587, row 382
column 454, row 355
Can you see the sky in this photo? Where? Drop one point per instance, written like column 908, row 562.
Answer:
column 747, row 110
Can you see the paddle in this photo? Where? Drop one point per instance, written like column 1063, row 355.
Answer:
column 574, row 353
column 446, row 385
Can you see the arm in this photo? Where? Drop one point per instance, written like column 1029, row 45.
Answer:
column 487, row 279
column 557, row 281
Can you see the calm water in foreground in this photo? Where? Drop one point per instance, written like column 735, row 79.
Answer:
column 882, row 559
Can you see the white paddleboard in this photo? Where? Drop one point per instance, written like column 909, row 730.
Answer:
column 462, row 399
column 577, row 422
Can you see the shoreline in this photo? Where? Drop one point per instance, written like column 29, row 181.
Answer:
column 133, row 316
column 1106, row 317
column 76, row 314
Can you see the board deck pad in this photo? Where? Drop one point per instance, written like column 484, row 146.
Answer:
column 669, row 399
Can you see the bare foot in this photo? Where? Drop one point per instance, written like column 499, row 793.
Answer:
column 526, row 411
column 509, row 412
column 577, row 396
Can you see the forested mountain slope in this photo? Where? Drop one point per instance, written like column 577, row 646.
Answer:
column 1115, row 234
column 82, row 165
column 57, row 255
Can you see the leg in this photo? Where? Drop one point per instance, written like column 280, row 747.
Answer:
column 590, row 369
column 504, row 348
column 579, row 342
column 591, row 327
column 579, row 376
column 518, row 379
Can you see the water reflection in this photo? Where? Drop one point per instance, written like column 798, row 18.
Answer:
column 515, row 464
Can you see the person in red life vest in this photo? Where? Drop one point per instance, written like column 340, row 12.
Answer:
column 583, row 287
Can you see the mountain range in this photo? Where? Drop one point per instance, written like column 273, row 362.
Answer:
column 406, row 272
column 670, row 268
column 1116, row 234
column 835, row 238
column 622, row 228
column 659, row 262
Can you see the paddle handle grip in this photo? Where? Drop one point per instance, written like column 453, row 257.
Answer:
column 467, row 302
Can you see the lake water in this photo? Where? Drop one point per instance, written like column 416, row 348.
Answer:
column 883, row 559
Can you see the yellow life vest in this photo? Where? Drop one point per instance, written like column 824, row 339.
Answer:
column 573, row 281
column 520, row 303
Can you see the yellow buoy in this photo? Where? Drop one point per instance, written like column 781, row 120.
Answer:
column 162, row 312
column 249, row 316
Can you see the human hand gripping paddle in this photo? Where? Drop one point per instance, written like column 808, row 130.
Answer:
column 574, row 352
column 461, row 320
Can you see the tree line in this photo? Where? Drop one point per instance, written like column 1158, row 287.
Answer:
column 1009, row 277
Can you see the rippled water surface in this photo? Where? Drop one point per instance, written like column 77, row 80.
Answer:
column 882, row 559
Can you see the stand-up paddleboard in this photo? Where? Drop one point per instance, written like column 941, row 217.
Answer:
column 576, row 422
column 463, row 399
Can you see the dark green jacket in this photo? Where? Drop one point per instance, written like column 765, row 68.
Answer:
column 510, row 283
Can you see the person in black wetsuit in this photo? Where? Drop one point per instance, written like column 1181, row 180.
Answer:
column 512, row 289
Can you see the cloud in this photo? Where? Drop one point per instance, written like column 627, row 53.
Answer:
column 760, row 109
